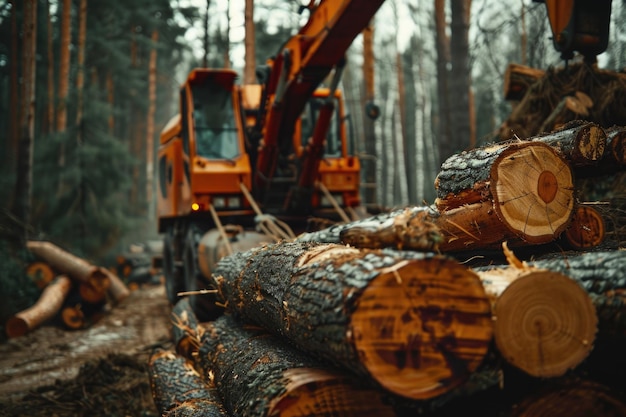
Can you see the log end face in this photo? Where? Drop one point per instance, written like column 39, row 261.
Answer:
column 16, row 327
column 545, row 323
column 421, row 329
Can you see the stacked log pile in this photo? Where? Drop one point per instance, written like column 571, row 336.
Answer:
column 426, row 310
column 73, row 290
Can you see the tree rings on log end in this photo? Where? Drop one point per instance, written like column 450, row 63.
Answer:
column 421, row 327
column 533, row 191
column 545, row 323
column 587, row 229
column 318, row 392
column 592, row 141
column 40, row 273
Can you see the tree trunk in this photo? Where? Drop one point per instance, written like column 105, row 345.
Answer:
column 249, row 72
column 415, row 330
column 227, row 37
column 67, row 263
column 47, row 306
column 616, row 145
column 152, row 80
column 544, row 322
column 23, row 183
column 185, row 330
column 64, row 66
column 260, row 375
column 587, row 229
column 370, row 196
column 529, row 185
column 50, row 111
column 442, row 42
column 178, row 389
column 14, row 86
column 80, row 72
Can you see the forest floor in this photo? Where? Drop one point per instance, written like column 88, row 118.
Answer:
column 99, row 371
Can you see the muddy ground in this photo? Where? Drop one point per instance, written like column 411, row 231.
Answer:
column 98, row 371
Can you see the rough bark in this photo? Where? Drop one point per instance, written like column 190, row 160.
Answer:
column 47, row 306
column 544, row 322
column 417, row 327
column 249, row 72
column 517, row 79
column 258, row 374
column 152, row 97
column 527, row 183
column 177, row 387
column 581, row 143
column 77, row 268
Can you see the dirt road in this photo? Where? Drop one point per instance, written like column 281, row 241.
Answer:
column 105, row 363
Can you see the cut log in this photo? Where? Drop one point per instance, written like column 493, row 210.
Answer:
column 73, row 317
column 40, row 273
column 417, row 327
column 517, row 79
column 117, row 290
column 46, row 307
column 177, row 387
column 544, row 322
column 185, row 329
column 572, row 398
column 587, row 229
column 67, row 263
column 581, row 143
column 601, row 274
column 258, row 374
column 616, row 144
column 528, row 183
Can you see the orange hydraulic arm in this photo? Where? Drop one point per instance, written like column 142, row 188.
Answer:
column 302, row 64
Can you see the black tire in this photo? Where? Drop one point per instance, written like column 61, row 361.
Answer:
column 203, row 305
column 173, row 279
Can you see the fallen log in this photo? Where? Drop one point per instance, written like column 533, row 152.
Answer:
column 67, row 263
column 117, row 290
column 544, row 322
column 178, row 389
column 40, row 273
column 258, row 374
column 581, row 143
column 528, row 185
column 616, row 145
column 417, row 327
column 517, row 79
column 46, row 307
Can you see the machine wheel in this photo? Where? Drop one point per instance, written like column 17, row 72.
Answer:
column 203, row 305
column 173, row 278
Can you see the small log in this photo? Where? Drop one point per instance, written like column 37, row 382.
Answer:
column 616, row 145
column 73, row 317
column 544, row 322
column 257, row 374
column 587, row 229
column 177, row 386
column 67, row 263
column 581, row 143
column 571, row 398
column 517, row 79
column 417, row 327
column 46, row 307
column 185, row 329
column 90, row 294
column 40, row 273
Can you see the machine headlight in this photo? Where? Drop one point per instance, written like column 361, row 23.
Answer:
column 234, row 202
column 219, row 202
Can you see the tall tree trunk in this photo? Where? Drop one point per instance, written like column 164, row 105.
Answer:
column 23, row 185
column 111, row 100
column 460, row 83
column 14, row 105
column 152, row 77
column 64, row 65
column 80, row 73
column 205, row 57
column 443, row 58
column 227, row 37
column 249, row 76
column 369, row 171
column 408, row 141
column 524, row 37
column 50, row 113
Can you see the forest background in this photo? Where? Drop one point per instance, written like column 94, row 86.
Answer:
column 86, row 86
